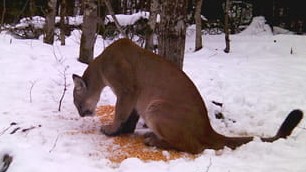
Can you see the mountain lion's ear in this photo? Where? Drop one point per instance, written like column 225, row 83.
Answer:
column 79, row 83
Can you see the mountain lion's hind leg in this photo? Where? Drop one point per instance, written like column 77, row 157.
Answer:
column 152, row 140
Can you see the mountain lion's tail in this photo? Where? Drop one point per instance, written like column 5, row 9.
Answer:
column 287, row 127
column 284, row 131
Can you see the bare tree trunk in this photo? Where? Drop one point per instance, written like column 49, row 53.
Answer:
column 172, row 31
column 198, row 22
column 63, row 14
column 50, row 22
column 124, row 6
column 3, row 13
column 70, row 7
column 111, row 12
column 32, row 8
column 101, row 16
column 115, row 4
column 154, row 9
column 89, row 29
column 78, row 8
column 226, row 26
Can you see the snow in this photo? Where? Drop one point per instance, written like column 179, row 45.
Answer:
column 36, row 21
column 123, row 19
column 128, row 19
column 259, row 82
column 258, row 26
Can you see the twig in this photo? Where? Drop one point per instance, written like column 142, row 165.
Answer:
column 217, row 103
column 58, row 59
column 31, row 88
column 55, row 143
column 30, row 128
column 65, row 89
column 6, row 160
column 25, row 130
column 15, row 130
column 209, row 165
column 3, row 131
column 303, row 128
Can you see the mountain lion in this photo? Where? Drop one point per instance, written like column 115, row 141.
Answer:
column 149, row 86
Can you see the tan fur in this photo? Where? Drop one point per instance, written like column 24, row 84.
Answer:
column 147, row 85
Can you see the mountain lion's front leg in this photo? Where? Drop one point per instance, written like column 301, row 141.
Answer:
column 126, row 116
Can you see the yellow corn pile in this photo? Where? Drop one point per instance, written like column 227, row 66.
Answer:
column 131, row 145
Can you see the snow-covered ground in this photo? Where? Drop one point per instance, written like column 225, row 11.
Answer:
column 259, row 83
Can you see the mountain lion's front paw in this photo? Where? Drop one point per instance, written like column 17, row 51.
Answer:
column 109, row 130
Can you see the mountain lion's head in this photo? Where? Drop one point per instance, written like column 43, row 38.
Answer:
column 84, row 101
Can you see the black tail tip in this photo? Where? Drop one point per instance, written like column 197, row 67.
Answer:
column 295, row 116
column 292, row 120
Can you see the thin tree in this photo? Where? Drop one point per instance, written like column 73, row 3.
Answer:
column 63, row 13
column 154, row 9
column 172, row 31
column 50, row 22
column 89, row 29
column 198, row 22
column 226, row 26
